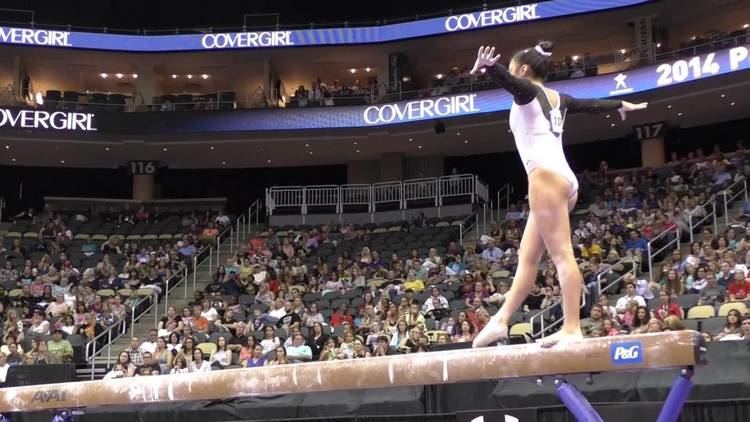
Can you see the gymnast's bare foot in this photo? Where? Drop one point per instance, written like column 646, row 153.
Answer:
column 493, row 331
column 561, row 337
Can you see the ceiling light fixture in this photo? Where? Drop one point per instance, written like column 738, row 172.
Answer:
column 574, row 58
column 13, row 159
column 103, row 75
column 190, row 76
column 439, row 76
column 204, row 76
column 106, row 148
column 174, row 76
column 352, row 70
column 134, row 75
column 732, row 103
column 119, row 75
column 367, row 69
column 164, row 149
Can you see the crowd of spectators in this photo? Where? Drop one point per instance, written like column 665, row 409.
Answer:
column 280, row 300
column 58, row 290
column 338, row 93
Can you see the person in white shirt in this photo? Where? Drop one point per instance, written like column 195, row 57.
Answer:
column 39, row 325
column 222, row 356
column 492, row 253
column 299, row 351
column 435, row 301
column 150, row 344
column 199, row 364
column 209, row 312
column 630, row 296
column 3, row 367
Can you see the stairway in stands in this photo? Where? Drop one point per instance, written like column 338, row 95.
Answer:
column 177, row 298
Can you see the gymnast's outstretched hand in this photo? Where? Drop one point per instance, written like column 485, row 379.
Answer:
column 626, row 107
column 484, row 58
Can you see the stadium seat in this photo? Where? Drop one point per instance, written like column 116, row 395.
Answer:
column 725, row 308
column 208, row 349
column 702, row 311
column 522, row 328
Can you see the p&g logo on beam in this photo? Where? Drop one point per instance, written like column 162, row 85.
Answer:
column 455, row 105
column 626, row 353
column 491, row 18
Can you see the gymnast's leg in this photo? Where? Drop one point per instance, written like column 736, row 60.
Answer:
column 549, row 199
column 529, row 255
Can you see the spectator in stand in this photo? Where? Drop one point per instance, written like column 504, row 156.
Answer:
column 60, row 347
column 636, row 242
column 299, row 351
column 713, row 294
column 342, row 316
column 492, row 253
column 667, row 307
column 738, row 290
column 135, row 351
column 123, row 368
column 629, row 299
column 148, row 365
column 199, row 363
column 732, row 327
column 256, row 359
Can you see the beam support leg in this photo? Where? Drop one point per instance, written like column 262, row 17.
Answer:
column 677, row 397
column 576, row 402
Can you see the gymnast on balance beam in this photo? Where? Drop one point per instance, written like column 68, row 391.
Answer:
column 537, row 116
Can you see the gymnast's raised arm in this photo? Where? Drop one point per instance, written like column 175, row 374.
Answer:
column 523, row 90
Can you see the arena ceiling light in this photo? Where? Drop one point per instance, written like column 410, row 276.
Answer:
column 204, row 76
column 439, row 76
column 190, row 76
column 575, row 57
column 119, row 75
column 352, row 70
column 367, row 69
column 174, row 76
column 103, row 75
column 745, row 26
column 405, row 79
column 134, row 75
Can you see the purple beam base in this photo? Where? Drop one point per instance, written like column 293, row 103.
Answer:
column 677, row 397
column 575, row 402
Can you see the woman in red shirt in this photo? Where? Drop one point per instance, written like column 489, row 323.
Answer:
column 667, row 307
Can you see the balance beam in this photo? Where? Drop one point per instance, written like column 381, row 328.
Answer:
column 679, row 349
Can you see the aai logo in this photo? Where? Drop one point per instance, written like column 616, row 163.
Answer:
column 627, row 353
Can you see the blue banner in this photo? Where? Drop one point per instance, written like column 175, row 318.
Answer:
column 611, row 85
column 310, row 37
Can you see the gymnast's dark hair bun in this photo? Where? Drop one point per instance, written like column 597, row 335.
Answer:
column 537, row 59
column 546, row 46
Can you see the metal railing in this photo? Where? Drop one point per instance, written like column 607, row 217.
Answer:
column 601, row 275
column 173, row 281
column 254, row 210
column 466, row 226
column 729, row 197
column 433, row 190
column 385, row 193
column 541, row 317
column 503, row 197
column 696, row 223
column 651, row 254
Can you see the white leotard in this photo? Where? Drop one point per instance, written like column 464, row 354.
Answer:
column 537, row 130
